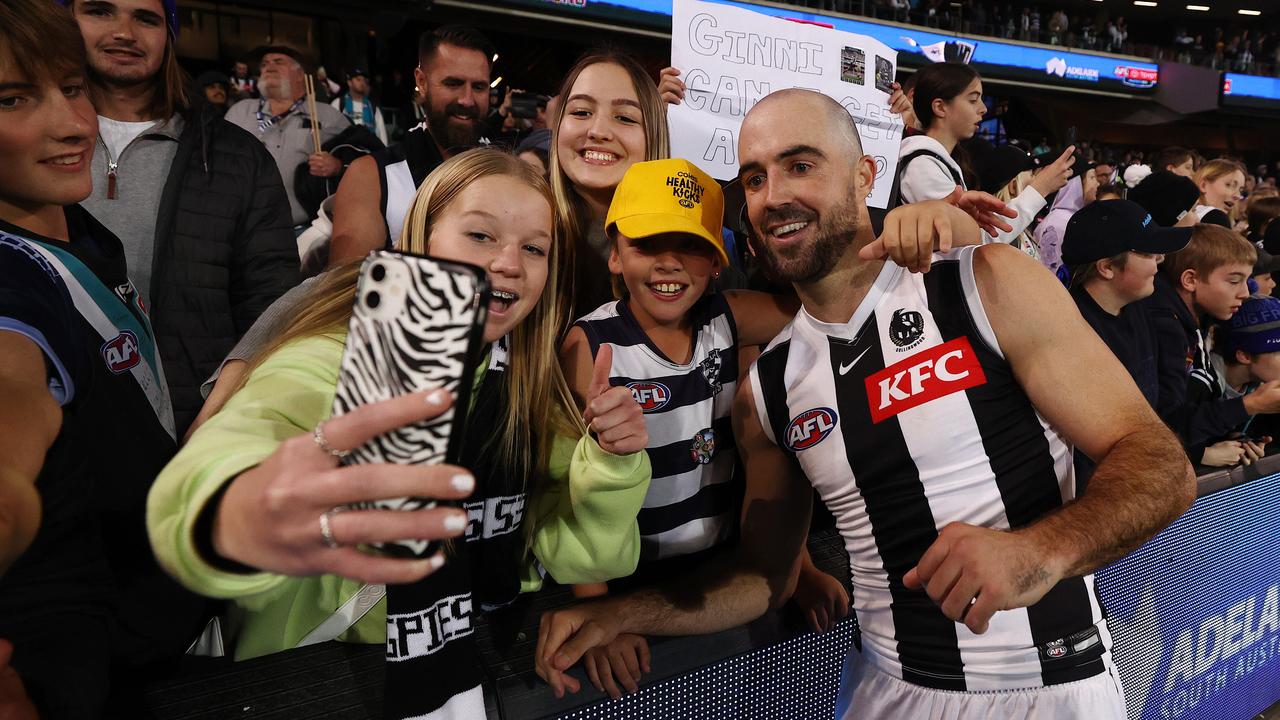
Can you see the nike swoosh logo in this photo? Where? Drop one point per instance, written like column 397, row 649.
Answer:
column 846, row 368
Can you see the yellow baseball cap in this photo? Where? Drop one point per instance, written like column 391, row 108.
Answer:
column 668, row 196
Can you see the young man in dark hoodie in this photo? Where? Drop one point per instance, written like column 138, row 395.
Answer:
column 1206, row 281
column 197, row 202
column 85, row 419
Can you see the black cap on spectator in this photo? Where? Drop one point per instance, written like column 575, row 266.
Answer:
column 539, row 139
column 1001, row 165
column 1166, row 196
column 266, row 50
column 1081, row 165
column 357, row 72
column 1266, row 263
column 1109, row 227
column 1271, row 238
column 211, row 77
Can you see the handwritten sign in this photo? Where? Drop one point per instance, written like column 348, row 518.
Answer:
column 730, row 58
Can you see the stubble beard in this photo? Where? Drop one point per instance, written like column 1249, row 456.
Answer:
column 802, row 265
column 107, row 74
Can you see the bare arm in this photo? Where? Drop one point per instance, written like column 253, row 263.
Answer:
column 29, row 422
column 228, row 380
column 358, row 225
column 760, row 316
column 1143, row 481
column 760, row 576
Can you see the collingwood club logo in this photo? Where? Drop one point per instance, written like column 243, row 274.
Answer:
column 906, row 329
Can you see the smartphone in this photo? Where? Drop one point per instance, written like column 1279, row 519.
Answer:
column 524, row 105
column 417, row 322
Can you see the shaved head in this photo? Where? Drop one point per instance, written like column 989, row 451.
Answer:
column 821, row 112
column 806, row 180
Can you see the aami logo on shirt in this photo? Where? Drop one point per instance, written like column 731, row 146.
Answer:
column 810, row 428
column 651, row 396
column 121, row 352
column 923, row 377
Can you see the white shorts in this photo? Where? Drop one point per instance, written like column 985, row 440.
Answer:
column 867, row 693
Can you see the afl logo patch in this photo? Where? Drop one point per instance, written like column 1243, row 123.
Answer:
column 651, row 396
column 810, row 428
column 121, row 352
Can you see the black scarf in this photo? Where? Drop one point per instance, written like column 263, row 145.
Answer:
column 431, row 652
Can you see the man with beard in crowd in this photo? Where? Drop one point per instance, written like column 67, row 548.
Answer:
column 196, row 201
column 454, row 64
column 928, row 413
column 282, row 121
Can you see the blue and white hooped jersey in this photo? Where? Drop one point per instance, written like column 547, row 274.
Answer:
column 692, row 500
column 908, row 418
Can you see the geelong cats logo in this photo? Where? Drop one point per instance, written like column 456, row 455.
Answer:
column 710, row 368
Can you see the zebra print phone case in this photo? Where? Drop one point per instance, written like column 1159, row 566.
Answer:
column 418, row 322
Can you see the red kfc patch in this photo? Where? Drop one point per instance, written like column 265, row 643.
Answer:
column 923, row 377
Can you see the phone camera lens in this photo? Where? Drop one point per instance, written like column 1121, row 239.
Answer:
column 372, row 300
column 378, row 273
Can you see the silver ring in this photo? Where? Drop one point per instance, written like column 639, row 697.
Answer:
column 326, row 531
column 323, row 444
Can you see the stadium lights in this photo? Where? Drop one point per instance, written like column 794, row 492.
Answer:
column 1200, row 8
column 1144, row 3
column 495, row 58
column 497, row 80
column 1249, row 12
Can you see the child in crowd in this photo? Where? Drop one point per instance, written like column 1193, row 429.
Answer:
column 1220, row 182
column 947, row 100
column 1114, row 249
column 1250, row 351
column 675, row 344
column 1206, row 281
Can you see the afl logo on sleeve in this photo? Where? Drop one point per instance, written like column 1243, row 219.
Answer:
column 810, row 428
column 121, row 352
column 651, row 396
column 906, row 329
column 924, row 377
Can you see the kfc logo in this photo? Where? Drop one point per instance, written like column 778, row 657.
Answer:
column 650, row 396
column 121, row 353
column 810, row 428
column 923, row 377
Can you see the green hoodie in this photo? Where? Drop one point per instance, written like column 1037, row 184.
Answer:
column 586, row 522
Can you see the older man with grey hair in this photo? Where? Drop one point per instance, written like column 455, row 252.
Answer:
column 282, row 120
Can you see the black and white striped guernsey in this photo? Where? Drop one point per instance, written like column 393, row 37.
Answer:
column 692, row 500
column 908, row 418
column 401, row 170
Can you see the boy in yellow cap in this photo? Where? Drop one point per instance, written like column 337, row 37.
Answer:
column 674, row 342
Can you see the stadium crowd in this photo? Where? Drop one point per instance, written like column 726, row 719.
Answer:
column 1241, row 47
column 662, row 386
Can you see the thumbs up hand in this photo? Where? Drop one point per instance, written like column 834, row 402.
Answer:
column 612, row 413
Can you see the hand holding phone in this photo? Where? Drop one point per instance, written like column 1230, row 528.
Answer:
column 417, row 323
column 267, row 518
